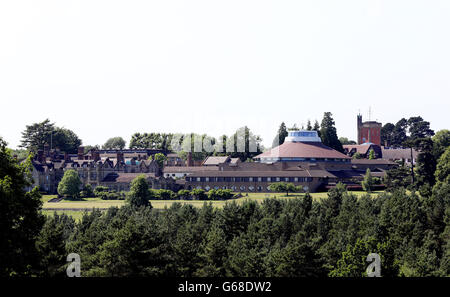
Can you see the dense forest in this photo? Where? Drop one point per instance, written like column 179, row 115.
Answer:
column 296, row 237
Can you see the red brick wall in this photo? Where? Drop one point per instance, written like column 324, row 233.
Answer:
column 375, row 135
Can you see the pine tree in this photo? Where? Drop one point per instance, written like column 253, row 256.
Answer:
column 328, row 133
column 281, row 135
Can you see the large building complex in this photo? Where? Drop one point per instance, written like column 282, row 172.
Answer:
column 302, row 160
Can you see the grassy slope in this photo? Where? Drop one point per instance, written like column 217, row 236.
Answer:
column 67, row 206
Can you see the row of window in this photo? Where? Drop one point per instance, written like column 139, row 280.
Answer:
column 241, row 188
column 306, row 159
column 249, row 179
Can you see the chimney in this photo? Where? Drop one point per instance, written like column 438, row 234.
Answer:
column 189, row 160
column 80, row 152
column 46, row 150
column 120, row 157
column 40, row 156
column 95, row 155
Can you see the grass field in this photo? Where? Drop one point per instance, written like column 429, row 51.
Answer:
column 76, row 208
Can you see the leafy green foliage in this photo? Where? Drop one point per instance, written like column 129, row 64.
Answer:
column 20, row 218
column 283, row 187
column 367, row 182
column 70, row 184
column 281, row 135
column 139, row 194
column 114, row 143
column 37, row 135
column 328, row 133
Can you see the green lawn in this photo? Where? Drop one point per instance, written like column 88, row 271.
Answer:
column 76, row 215
column 76, row 208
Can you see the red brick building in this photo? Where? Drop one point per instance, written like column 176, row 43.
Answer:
column 368, row 132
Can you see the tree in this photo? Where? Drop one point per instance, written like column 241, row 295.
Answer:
column 328, row 133
column 151, row 141
column 442, row 173
column 308, row 125
column 426, row 165
column 70, row 184
column 281, row 135
column 387, row 134
column 345, row 140
column 316, row 127
column 357, row 155
column 441, row 141
column 160, row 159
column 372, row 154
column 399, row 133
column 282, row 187
column 66, row 140
column 115, row 143
column 418, row 128
column 20, row 216
column 139, row 194
column 37, row 135
column 51, row 244
column 213, row 253
column 353, row 262
column 246, row 145
column 367, row 183
column 397, row 177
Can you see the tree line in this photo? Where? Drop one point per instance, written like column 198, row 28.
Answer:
column 294, row 237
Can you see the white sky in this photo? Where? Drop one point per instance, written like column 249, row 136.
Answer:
column 112, row 68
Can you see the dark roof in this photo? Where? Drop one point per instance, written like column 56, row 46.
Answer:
column 360, row 148
column 372, row 162
column 302, row 150
column 122, row 177
column 398, row 154
column 276, row 173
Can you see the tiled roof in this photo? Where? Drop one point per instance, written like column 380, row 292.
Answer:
column 398, row 154
column 360, row 148
column 122, row 177
column 215, row 160
column 372, row 162
column 298, row 173
column 302, row 150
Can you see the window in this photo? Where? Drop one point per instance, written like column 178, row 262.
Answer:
column 277, row 179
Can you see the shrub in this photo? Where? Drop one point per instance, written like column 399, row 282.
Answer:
column 163, row 194
column 198, row 194
column 184, row 194
column 220, row 194
column 99, row 190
